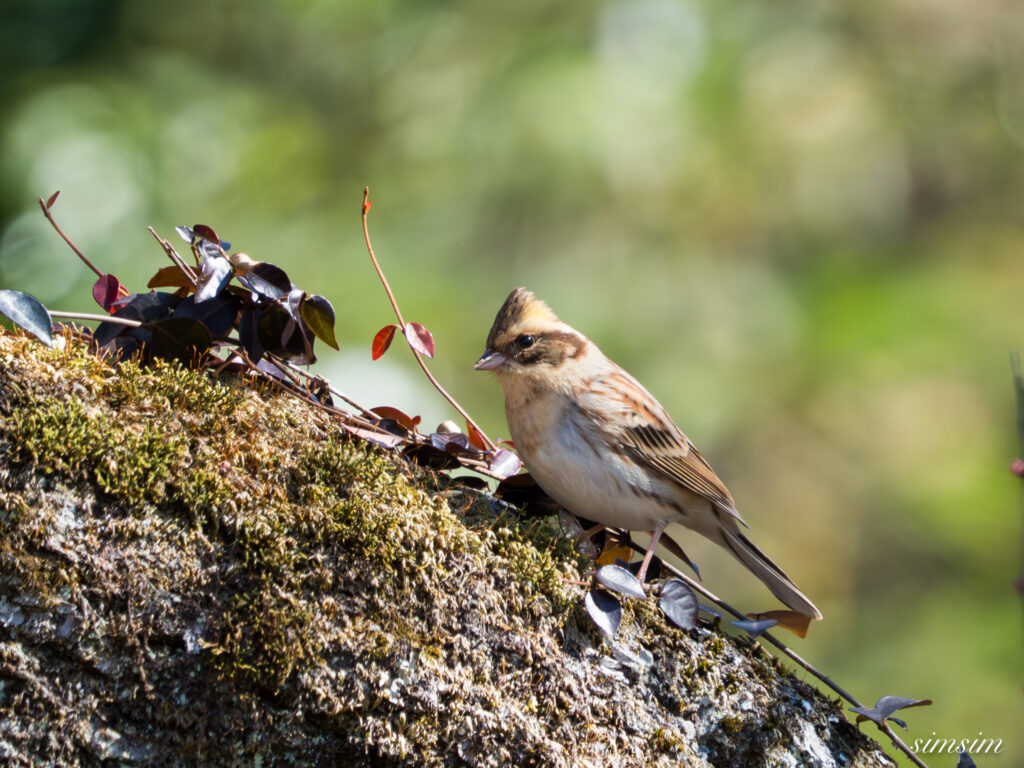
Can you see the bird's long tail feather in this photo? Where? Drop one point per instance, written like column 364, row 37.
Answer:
column 768, row 572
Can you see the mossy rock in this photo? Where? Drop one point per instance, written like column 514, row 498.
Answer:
column 200, row 572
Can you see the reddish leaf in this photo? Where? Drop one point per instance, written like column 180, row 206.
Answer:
column 169, row 277
column 795, row 622
column 505, row 463
column 106, row 291
column 475, row 438
column 387, row 412
column 52, row 199
column 420, row 339
column 383, row 439
column 383, row 340
column 367, row 205
column 206, row 233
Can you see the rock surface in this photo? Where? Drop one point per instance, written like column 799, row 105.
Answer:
column 196, row 573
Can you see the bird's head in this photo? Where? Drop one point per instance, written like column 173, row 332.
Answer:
column 528, row 339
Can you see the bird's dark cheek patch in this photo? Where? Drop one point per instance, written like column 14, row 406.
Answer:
column 542, row 354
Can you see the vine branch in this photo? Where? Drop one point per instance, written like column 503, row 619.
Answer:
column 884, row 727
column 75, row 248
column 398, row 313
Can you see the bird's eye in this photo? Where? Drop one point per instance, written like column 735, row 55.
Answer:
column 525, row 341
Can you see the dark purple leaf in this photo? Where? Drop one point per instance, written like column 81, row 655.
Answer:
column 267, row 280
column 293, row 303
column 318, row 315
column 604, row 610
column 451, row 442
column 419, row 338
column 505, row 463
column 218, row 314
column 272, row 369
column 679, row 603
column 249, row 336
column 27, row 312
column 426, row 455
column 885, row 707
column 407, row 422
column 180, row 338
column 271, row 326
column 106, row 290
column 383, row 439
column 298, row 343
column 653, row 568
column 205, row 232
column 209, row 250
column 142, row 307
column 755, row 628
column 216, row 273
column 620, row 580
column 523, row 491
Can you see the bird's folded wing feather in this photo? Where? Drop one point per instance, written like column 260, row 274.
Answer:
column 644, row 428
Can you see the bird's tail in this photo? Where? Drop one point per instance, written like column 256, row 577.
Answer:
column 768, row 572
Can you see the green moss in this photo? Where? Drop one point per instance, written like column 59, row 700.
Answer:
column 731, row 725
column 245, row 473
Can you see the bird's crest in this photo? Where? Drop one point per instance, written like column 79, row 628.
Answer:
column 521, row 310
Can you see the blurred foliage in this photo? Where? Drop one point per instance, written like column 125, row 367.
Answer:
column 800, row 224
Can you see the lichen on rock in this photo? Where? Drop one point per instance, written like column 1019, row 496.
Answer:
column 198, row 572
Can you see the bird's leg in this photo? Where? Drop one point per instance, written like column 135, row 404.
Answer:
column 655, row 535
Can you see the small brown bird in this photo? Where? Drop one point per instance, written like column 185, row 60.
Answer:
column 600, row 445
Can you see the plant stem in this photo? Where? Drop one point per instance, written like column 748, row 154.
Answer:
column 173, row 256
column 401, row 322
column 98, row 318
column 1018, row 385
column 698, row 587
column 78, row 252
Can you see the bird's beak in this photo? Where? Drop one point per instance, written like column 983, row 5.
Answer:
column 489, row 360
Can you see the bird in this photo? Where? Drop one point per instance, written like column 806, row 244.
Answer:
column 599, row 444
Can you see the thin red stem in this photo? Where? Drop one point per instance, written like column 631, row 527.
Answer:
column 75, row 248
column 401, row 322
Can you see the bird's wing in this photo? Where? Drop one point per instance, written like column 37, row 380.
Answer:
column 630, row 416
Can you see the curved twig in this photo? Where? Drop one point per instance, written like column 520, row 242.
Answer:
column 897, row 742
column 398, row 313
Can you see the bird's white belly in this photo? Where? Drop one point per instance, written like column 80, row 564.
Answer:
column 590, row 481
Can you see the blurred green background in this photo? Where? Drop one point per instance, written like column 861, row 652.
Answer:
column 800, row 224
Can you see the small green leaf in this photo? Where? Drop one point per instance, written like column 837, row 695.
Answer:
column 26, row 312
column 318, row 315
